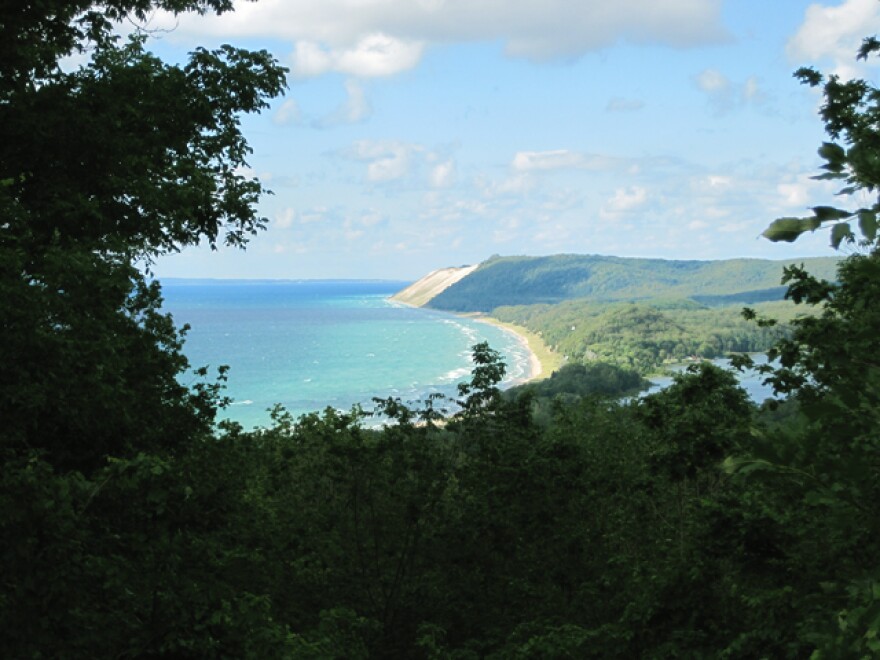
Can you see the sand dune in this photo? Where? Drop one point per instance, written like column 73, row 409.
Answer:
column 419, row 293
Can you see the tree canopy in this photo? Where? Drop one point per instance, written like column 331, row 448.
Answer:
column 102, row 167
column 851, row 112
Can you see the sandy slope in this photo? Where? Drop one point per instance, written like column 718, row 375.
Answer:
column 419, row 293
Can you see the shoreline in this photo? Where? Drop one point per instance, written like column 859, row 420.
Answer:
column 542, row 361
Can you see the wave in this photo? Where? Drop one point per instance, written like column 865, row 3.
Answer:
column 422, row 351
column 454, row 375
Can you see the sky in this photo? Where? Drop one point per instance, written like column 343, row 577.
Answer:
column 422, row 134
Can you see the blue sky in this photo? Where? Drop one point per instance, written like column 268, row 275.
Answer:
column 419, row 134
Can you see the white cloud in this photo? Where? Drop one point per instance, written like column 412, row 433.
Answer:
column 392, row 160
column 835, row 33
column 382, row 37
column 625, row 200
column 725, row 95
column 712, row 81
column 357, row 106
column 752, row 92
column 456, row 211
column 354, row 109
column 718, row 181
column 387, row 169
column 288, row 113
column 386, row 161
column 558, row 159
column 374, row 55
column 443, row 174
column 526, row 161
column 370, row 218
column 284, row 219
column 793, row 194
column 558, row 201
column 517, row 185
column 356, row 227
column 317, row 214
column 628, row 199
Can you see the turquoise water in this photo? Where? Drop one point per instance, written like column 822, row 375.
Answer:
column 312, row 344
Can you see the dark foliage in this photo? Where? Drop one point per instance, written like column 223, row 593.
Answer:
column 645, row 336
column 119, row 160
column 683, row 524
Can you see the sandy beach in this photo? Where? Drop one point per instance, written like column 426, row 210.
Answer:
column 542, row 361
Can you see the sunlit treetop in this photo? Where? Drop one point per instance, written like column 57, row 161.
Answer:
column 126, row 154
column 37, row 34
column 851, row 113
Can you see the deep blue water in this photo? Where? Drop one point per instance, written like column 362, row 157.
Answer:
column 312, row 344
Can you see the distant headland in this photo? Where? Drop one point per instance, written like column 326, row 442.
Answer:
column 503, row 281
column 635, row 313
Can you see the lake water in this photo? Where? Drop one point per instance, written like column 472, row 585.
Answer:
column 312, row 344
column 750, row 381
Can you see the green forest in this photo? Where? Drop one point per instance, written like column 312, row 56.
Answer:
column 687, row 523
column 509, row 281
column 648, row 335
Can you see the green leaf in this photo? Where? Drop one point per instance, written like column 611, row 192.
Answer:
column 788, row 229
column 744, row 466
column 809, row 76
column 833, row 153
column 819, row 498
column 825, row 213
column 869, row 45
column 839, row 233
column 868, row 224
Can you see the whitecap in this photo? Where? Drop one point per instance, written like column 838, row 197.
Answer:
column 455, row 374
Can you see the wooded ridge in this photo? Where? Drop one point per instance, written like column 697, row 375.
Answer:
column 523, row 280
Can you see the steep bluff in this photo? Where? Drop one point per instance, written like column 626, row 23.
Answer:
column 503, row 281
column 432, row 284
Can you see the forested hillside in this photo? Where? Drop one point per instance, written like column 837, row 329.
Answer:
column 503, row 281
column 646, row 335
